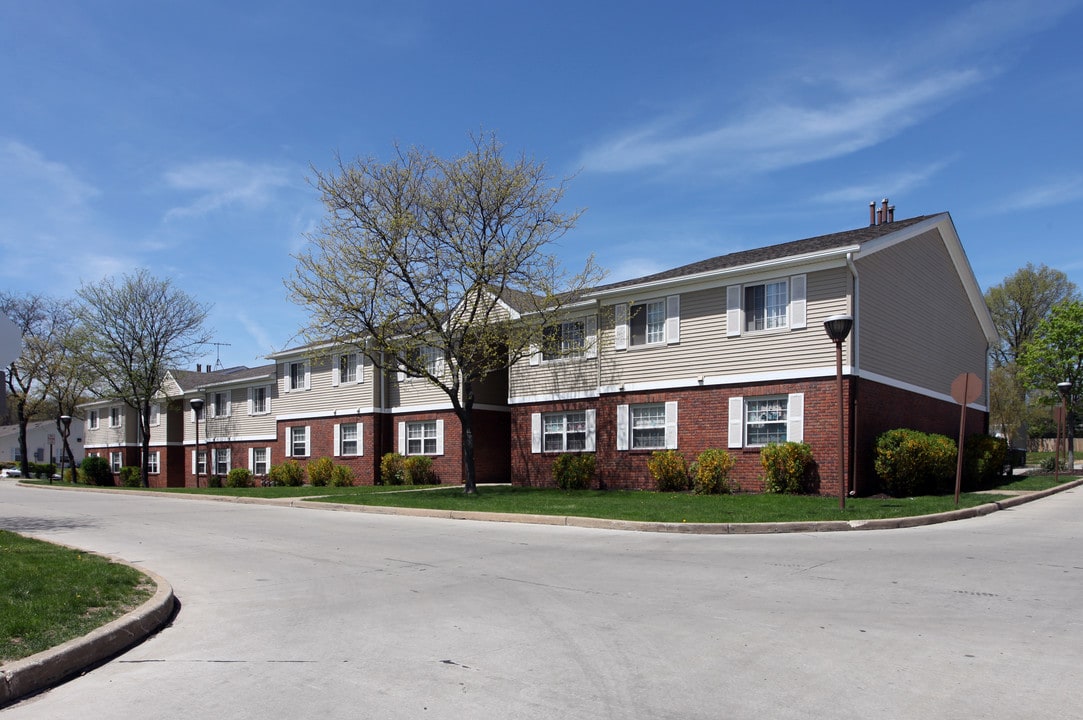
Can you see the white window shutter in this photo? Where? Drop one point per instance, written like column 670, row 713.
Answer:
column 308, row 439
column 733, row 314
column 592, row 430
column 535, row 355
column 289, row 442
column 590, row 336
column 673, row 319
column 402, row 438
column 267, row 399
column 736, row 422
column 229, row 403
column 286, row 376
column 439, row 437
column 795, row 418
column 360, row 372
column 251, row 403
column 798, row 302
column 360, row 438
column 252, row 459
column 620, row 326
column 338, row 440
column 194, row 466
column 622, row 427
column 535, row 432
column 308, row 375
column 268, row 458
column 336, row 372
column 671, row 425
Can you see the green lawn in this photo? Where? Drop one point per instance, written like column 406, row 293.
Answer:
column 51, row 594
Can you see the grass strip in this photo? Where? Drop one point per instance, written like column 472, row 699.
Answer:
column 51, row 594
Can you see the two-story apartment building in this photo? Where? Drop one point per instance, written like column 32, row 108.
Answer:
column 729, row 352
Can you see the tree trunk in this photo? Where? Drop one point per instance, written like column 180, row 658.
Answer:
column 144, row 460
column 20, row 408
column 470, row 483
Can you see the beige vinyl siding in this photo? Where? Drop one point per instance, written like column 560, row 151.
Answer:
column 127, row 433
column 706, row 350
column 566, row 375
column 322, row 395
column 415, row 392
column 912, row 297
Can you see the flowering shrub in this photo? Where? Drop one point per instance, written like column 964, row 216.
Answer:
column 289, row 473
column 392, row 471
column 573, row 472
column 319, row 471
column 710, row 472
column 417, row 470
column 669, row 470
column 239, row 477
column 341, row 476
column 787, row 467
column 910, row 463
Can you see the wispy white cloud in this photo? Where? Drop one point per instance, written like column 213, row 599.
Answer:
column 846, row 111
column 221, row 184
column 889, row 184
column 29, row 173
column 1060, row 191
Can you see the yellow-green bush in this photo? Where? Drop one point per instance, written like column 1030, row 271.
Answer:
column 669, row 470
column 417, row 470
column 319, row 471
column 341, row 476
column 573, row 471
column 711, row 471
column 392, row 471
column 787, row 467
column 911, row 463
column 289, row 473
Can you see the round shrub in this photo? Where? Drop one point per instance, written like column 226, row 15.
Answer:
column 911, row 463
column 130, row 477
column 341, row 476
column 96, row 471
column 669, row 470
column 320, row 471
column 984, row 460
column 787, row 467
column 392, row 471
column 289, row 473
column 417, row 470
column 239, row 477
column 573, row 472
column 711, row 472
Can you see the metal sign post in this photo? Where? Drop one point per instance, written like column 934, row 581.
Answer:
column 965, row 389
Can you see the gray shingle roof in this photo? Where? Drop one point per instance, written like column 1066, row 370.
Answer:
column 190, row 379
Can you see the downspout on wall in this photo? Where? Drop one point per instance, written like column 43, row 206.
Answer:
column 854, row 364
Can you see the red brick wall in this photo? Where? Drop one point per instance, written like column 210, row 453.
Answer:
column 702, row 423
column 366, row 467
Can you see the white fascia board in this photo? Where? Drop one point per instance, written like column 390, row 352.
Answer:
column 575, row 308
column 255, row 381
column 316, row 414
column 808, row 262
column 233, row 439
column 891, row 382
column 553, row 397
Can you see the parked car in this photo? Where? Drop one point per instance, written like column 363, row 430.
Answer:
column 10, row 472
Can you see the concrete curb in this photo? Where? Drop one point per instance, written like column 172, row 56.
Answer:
column 47, row 668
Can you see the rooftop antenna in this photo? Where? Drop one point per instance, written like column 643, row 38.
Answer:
column 218, row 354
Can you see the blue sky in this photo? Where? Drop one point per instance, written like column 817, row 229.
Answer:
column 180, row 136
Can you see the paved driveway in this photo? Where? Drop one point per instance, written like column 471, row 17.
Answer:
column 290, row 613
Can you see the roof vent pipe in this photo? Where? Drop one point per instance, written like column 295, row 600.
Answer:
column 872, row 213
column 891, row 213
column 883, row 210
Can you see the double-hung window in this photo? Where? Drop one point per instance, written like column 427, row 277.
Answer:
column 259, row 460
column 421, row 438
column 648, row 426
column 258, row 403
column 296, row 376
column 222, row 404
column 347, row 368
column 565, row 432
column 759, row 421
column 93, row 419
column 116, row 418
column 152, row 463
column 221, row 461
column 564, row 340
column 115, row 460
column 199, row 458
column 778, row 304
column 155, row 415
column 297, row 442
column 348, row 439
column 765, row 306
column 648, row 322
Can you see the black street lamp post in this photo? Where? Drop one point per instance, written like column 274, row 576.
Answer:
column 65, row 428
column 837, row 328
column 1065, row 389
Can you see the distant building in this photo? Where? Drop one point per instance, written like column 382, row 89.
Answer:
column 38, row 435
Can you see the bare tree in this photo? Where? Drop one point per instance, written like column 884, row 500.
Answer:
column 29, row 379
column 425, row 258
column 136, row 329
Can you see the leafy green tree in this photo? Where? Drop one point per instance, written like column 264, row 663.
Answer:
column 1055, row 355
column 137, row 327
column 417, row 258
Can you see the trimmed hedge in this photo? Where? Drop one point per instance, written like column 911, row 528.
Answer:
column 574, row 471
column 787, row 467
column 711, row 472
column 911, row 463
column 669, row 470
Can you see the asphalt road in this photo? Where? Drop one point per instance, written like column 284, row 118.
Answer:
column 290, row 613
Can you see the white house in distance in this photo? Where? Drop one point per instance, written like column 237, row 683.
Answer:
column 38, row 435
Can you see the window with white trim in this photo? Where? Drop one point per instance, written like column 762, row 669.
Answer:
column 116, row 417
column 221, row 461
column 298, row 441
column 297, row 376
column 647, row 322
column 222, row 406
column 648, row 424
column 776, row 304
column 564, row 340
column 765, row 306
column 348, row 368
column 93, row 419
column 259, row 400
column 762, row 420
column 564, row 431
column 155, row 415
column 152, row 463
column 651, row 322
column 348, row 439
column 259, row 460
column 115, row 460
column 199, row 459
column 421, row 438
